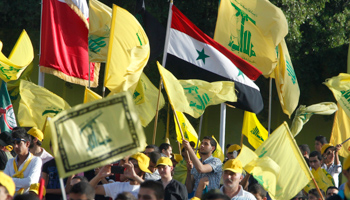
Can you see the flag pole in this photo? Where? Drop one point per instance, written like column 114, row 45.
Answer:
column 89, row 76
column 64, row 195
column 222, row 126
column 242, row 139
column 167, row 123
column 199, row 132
column 41, row 76
column 163, row 64
column 270, row 100
column 182, row 135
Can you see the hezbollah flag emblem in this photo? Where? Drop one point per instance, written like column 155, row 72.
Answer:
column 8, row 119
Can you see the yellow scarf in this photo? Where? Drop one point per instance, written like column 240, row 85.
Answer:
column 19, row 174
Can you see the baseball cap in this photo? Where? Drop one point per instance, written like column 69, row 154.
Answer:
column 36, row 133
column 234, row 147
column 8, row 183
column 178, row 157
column 233, row 165
column 143, row 161
column 164, row 161
column 5, row 139
column 325, row 147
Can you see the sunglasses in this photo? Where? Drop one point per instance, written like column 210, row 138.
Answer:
column 18, row 140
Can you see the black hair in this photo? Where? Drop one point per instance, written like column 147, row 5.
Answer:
column 303, row 148
column 81, row 178
column 21, row 133
column 214, row 194
column 125, row 196
column 156, row 186
column 212, row 142
column 317, row 154
column 38, row 142
column 164, row 146
column 28, row 196
column 156, row 148
column 331, row 187
column 83, row 188
column 256, row 188
column 154, row 156
column 315, row 193
column 322, row 139
column 228, row 145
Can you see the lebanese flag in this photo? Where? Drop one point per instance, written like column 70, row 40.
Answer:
column 191, row 54
column 64, row 41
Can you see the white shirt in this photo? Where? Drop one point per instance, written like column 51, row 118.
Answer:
column 45, row 156
column 241, row 193
column 153, row 177
column 31, row 174
column 334, row 171
column 113, row 189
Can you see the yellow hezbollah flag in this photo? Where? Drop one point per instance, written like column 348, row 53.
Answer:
column 303, row 114
column 246, row 155
column 128, row 52
column 322, row 178
column 187, row 129
column 341, row 131
column 90, row 95
column 253, row 129
column 340, row 86
column 90, row 135
column 20, row 57
column 282, row 148
column 46, row 143
column 218, row 152
column 193, row 96
column 252, row 30
column 100, row 17
column 36, row 103
column 286, row 80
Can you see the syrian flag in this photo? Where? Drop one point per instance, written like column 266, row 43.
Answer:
column 191, row 54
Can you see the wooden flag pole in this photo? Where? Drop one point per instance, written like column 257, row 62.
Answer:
column 182, row 135
column 318, row 189
column 241, row 140
column 199, row 132
column 167, row 124
column 157, row 111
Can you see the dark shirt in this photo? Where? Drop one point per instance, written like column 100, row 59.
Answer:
column 175, row 191
column 3, row 160
column 50, row 169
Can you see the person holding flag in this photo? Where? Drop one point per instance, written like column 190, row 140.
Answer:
column 331, row 161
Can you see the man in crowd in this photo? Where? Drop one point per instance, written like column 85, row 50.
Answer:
column 331, row 161
column 165, row 150
column 154, row 175
column 331, row 191
column 82, row 190
column 7, row 187
column 151, row 190
column 233, row 151
column 35, row 146
column 314, row 195
column 151, row 148
column 174, row 190
column 315, row 164
column 305, row 151
column 206, row 166
column 25, row 169
column 232, row 176
column 319, row 142
column 345, row 193
column 258, row 191
column 5, row 155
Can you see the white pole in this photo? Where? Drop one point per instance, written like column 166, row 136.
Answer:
column 64, row 195
column 222, row 126
column 270, row 100
column 166, row 44
column 41, row 75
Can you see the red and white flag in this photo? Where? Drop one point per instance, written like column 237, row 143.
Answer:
column 64, row 41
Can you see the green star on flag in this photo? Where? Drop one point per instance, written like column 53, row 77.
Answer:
column 202, row 55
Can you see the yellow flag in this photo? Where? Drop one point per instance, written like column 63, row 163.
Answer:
column 349, row 60
column 253, row 129
column 90, row 95
column 100, row 17
column 218, row 152
column 322, row 178
column 187, row 129
column 340, row 86
column 193, row 96
column 341, row 131
column 20, row 57
column 252, row 30
column 36, row 103
column 246, row 155
column 128, row 52
column 47, row 136
column 90, row 135
column 286, row 80
column 282, row 148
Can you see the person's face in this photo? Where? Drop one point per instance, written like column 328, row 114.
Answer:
column 230, row 155
column 74, row 196
column 311, row 197
column 206, row 147
column 146, row 194
column 137, row 169
column 231, row 179
column 318, row 146
column 4, row 195
column 164, row 171
column 20, row 146
column 329, row 155
column 258, row 197
column 152, row 166
column 168, row 152
column 148, row 151
column 314, row 163
column 331, row 192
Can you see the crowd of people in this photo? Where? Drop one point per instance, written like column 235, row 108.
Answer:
column 156, row 173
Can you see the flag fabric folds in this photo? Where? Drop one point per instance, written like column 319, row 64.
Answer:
column 282, row 149
column 36, row 103
column 128, row 52
column 340, row 86
column 87, row 135
column 252, row 30
column 253, row 129
column 90, row 95
column 193, row 55
column 193, row 96
column 322, row 178
column 64, row 42
column 286, row 81
column 100, row 17
column 303, row 114
column 20, row 57
column 341, row 131
column 246, row 155
column 8, row 119
column 218, row 151
column 188, row 131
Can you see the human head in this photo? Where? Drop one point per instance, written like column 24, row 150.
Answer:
column 7, row 187
column 5, row 139
column 319, row 142
column 82, row 190
column 233, row 151
column 153, row 156
column 150, row 148
column 215, row 194
column 141, row 162
column 165, row 166
column 315, row 160
column 151, row 190
column 166, row 149
column 332, row 190
column 21, row 141
column 258, row 191
column 78, row 179
column 37, row 136
column 232, row 173
column 305, row 150
column 28, row 196
column 125, row 196
column 327, row 152
column 208, row 146
column 314, row 195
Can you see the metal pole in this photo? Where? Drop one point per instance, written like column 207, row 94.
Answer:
column 41, row 75
column 222, row 126
column 270, row 100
